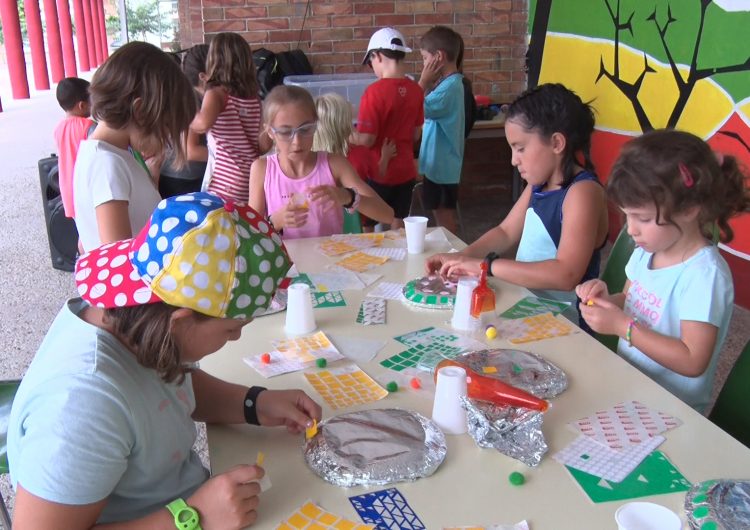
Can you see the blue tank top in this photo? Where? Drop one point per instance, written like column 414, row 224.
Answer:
column 541, row 235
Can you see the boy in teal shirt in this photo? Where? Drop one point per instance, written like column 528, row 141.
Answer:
column 442, row 151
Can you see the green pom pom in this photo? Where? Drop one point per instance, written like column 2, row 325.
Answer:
column 321, row 363
column 516, row 478
column 392, row 386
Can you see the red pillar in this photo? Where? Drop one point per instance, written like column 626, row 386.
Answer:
column 54, row 44
column 36, row 42
column 83, row 43
column 66, row 36
column 97, row 32
column 89, row 33
column 103, row 29
column 19, row 84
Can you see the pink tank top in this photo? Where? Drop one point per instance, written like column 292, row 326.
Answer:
column 233, row 140
column 279, row 189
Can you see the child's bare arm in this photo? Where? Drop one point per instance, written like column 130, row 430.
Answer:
column 257, row 198
column 370, row 203
column 195, row 150
column 387, row 152
column 213, row 104
column 113, row 221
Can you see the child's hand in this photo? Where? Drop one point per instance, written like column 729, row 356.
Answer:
column 604, row 317
column 290, row 216
column 292, row 408
column 388, row 150
column 592, row 289
column 229, row 501
column 435, row 262
column 331, row 195
column 430, row 72
column 459, row 265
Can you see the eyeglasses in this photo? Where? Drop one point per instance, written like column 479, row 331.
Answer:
column 287, row 134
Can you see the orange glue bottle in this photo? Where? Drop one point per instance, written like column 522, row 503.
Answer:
column 490, row 389
column 483, row 297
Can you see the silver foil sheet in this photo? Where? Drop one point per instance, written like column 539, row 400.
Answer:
column 515, row 432
column 718, row 505
column 525, row 370
column 375, row 447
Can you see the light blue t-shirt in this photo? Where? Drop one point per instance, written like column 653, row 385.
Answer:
column 90, row 423
column 441, row 154
column 699, row 289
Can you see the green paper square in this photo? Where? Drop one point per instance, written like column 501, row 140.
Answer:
column 656, row 475
column 532, row 305
column 303, row 278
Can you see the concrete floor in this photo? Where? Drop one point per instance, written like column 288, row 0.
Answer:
column 32, row 291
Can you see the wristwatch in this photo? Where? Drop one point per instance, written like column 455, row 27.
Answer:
column 185, row 517
column 488, row 259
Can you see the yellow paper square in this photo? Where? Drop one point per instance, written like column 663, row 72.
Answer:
column 327, row 518
column 297, row 521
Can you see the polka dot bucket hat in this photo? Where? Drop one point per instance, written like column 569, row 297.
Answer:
column 198, row 251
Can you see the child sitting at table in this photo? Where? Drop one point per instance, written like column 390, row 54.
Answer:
column 143, row 103
column 73, row 97
column 101, row 430
column 332, row 135
column 560, row 220
column 301, row 190
column 673, row 313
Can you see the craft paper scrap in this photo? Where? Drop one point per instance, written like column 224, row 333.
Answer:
column 628, row 423
column 279, row 364
column 410, row 380
column 387, row 510
column 327, row 299
column 532, row 328
column 656, row 475
column 371, row 311
column 308, row 348
column 360, row 262
column 363, row 240
column 312, row 516
column 334, row 248
column 437, row 237
column 412, row 358
column 388, row 290
column 523, row 525
column 531, row 305
column 335, row 281
column 303, row 278
column 587, row 455
column 368, row 278
column 357, row 349
column 345, row 386
column 394, row 253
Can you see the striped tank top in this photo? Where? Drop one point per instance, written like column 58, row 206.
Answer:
column 233, row 142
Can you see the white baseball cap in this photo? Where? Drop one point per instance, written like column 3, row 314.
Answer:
column 383, row 40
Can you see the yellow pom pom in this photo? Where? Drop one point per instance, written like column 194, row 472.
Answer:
column 491, row 332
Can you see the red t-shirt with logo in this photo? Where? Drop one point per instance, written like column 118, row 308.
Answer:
column 393, row 108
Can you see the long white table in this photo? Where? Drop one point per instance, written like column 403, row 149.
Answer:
column 471, row 487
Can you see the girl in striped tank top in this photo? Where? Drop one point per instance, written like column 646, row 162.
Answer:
column 231, row 117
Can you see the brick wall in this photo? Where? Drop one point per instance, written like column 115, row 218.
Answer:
column 336, row 32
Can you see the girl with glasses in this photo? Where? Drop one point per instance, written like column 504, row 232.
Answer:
column 303, row 192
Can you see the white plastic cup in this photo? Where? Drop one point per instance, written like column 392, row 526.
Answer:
column 462, row 319
column 299, row 311
column 646, row 516
column 447, row 411
column 416, row 228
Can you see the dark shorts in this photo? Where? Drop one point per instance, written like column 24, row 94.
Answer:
column 436, row 196
column 397, row 197
column 170, row 186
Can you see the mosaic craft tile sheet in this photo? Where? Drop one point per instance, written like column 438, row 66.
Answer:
column 327, row 299
column 394, row 253
column 532, row 305
column 312, row 517
column 528, row 329
column 387, row 510
column 335, row 281
column 432, row 343
column 360, row 262
column 431, row 335
column 367, row 240
column 335, row 248
column 279, row 364
column 656, row 475
column 587, row 455
column 345, row 386
column 626, row 424
column 372, row 311
column 308, row 348
column 523, row 525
